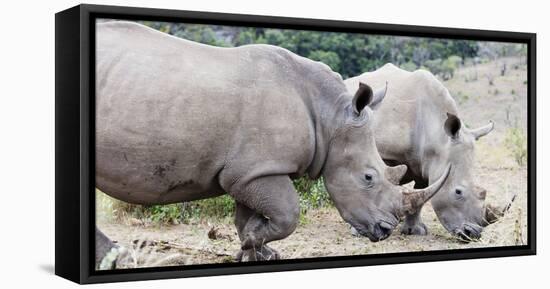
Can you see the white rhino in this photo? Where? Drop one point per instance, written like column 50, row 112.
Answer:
column 417, row 124
column 179, row 121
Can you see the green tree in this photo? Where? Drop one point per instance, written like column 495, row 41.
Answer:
column 327, row 57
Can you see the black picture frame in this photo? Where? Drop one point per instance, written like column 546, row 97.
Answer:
column 74, row 148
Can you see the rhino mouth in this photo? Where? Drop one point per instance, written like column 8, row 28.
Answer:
column 380, row 231
column 469, row 232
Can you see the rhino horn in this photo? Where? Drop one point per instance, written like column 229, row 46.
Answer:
column 414, row 199
column 492, row 213
column 484, row 130
column 395, row 174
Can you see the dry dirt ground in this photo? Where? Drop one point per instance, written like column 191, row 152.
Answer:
column 322, row 232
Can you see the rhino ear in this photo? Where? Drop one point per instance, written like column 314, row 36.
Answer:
column 362, row 98
column 452, row 125
column 378, row 97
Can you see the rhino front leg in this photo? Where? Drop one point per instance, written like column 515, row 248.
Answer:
column 267, row 210
column 413, row 224
column 242, row 215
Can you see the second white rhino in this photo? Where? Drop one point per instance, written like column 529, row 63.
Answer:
column 418, row 125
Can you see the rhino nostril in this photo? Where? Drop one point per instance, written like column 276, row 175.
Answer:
column 469, row 233
column 464, row 236
column 385, row 228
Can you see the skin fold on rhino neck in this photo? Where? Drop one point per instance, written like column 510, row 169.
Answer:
column 330, row 97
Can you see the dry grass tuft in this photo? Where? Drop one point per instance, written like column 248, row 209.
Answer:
column 147, row 253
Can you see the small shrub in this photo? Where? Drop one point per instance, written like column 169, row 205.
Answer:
column 444, row 68
column 167, row 214
column 409, row 66
column 104, row 206
column 313, row 194
column 450, row 65
column 516, row 142
column 327, row 57
column 461, row 97
column 434, row 66
column 219, row 207
column 110, row 209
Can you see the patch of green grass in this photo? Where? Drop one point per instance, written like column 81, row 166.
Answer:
column 312, row 195
column 516, row 142
column 165, row 213
column 104, row 206
column 462, row 97
column 219, row 208
column 304, row 220
column 110, row 209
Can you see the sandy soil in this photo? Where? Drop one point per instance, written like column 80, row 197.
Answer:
column 323, row 233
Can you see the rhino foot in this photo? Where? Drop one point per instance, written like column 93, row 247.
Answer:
column 354, row 232
column 414, row 229
column 265, row 253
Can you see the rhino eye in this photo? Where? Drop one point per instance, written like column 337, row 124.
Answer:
column 458, row 192
column 368, row 177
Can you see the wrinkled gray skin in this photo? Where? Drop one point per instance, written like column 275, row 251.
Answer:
column 417, row 125
column 180, row 121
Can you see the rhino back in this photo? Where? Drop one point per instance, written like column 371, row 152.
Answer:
column 171, row 114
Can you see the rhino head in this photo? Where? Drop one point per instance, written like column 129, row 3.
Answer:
column 363, row 188
column 460, row 206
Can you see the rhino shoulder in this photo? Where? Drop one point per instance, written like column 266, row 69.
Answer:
column 276, row 54
column 133, row 34
column 119, row 24
column 121, row 27
column 425, row 76
column 433, row 90
column 309, row 70
column 390, row 66
column 284, row 55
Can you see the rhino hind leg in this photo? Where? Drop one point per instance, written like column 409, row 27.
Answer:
column 413, row 224
column 267, row 210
